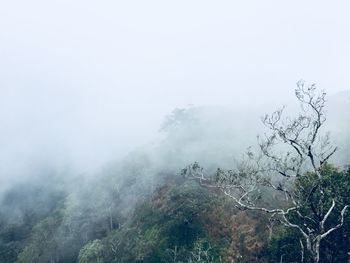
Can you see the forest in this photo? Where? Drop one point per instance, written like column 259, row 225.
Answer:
column 207, row 191
column 174, row 131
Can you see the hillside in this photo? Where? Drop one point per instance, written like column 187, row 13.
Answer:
column 142, row 209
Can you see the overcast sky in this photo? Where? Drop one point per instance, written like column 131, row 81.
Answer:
column 86, row 81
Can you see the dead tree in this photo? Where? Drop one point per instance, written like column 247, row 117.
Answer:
column 293, row 148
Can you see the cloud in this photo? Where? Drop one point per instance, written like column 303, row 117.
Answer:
column 85, row 82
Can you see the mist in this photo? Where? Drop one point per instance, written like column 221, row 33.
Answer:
column 103, row 103
column 84, row 83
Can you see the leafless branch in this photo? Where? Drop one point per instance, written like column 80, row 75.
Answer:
column 280, row 169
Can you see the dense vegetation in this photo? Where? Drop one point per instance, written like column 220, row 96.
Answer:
column 179, row 222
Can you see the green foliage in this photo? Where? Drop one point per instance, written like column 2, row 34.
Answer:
column 180, row 222
column 336, row 185
column 43, row 244
column 22, row 207
column 92, row 252
column 169, row 219
column 167, row 227
column 284, row 245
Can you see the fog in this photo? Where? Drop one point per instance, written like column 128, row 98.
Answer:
column 83, row 83
column 105, row 106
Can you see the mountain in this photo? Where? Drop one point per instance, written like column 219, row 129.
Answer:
column 143, row 209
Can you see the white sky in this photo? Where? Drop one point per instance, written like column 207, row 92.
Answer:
column 84, row 81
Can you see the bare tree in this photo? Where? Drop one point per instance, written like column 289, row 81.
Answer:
column 292, row 153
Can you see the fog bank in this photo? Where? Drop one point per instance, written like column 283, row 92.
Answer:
column 83, row 83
